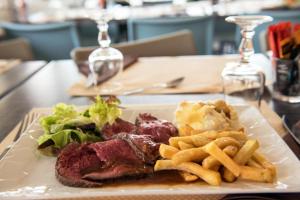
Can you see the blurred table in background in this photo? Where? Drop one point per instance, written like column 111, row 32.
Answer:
column 17, row 75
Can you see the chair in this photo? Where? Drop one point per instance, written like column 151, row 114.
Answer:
column 174, row 44
column 48, row 41
column 201, row 27
column 278, row 16
column 16, row 49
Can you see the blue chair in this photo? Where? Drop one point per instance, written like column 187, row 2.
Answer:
column 278, row 16
column 49, row 41
column 201, row 27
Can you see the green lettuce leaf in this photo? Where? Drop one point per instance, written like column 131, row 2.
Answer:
column 102, row 112
column 64, row 137
column 66, row 124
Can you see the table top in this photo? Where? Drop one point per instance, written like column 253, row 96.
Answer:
column 50, row 84
column 18, row 75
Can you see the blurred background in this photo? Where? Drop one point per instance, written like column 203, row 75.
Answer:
column 28, row 26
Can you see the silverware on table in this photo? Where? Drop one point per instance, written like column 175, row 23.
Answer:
column 169, row 84
column 24, row 124
column 287, row 127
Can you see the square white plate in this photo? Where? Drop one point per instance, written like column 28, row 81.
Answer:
column 26, row 174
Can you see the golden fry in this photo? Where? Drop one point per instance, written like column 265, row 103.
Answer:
column 218, row 154
column 209, row 176
column 226, row 141
column 242, row 157
column 230, row 151
column 265, row 163
column 211, row 163
column 188, row 177
column 256, row 174
column 253, row 163
column 173, row 141
column 183, row 145
column 246, row 152
column 196, row 140
column 167, row 151
column 188, row 155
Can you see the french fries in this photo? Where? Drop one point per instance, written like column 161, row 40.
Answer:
column 256, row 174
column 218, row 154
column 222, row 150
column 189, row 155
column 167, row 151
column 242, row 157
column 211, row 163
column 211, row 177
column 183, row 145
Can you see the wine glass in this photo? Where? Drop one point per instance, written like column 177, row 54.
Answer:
column 244, row 79
column 105, row 62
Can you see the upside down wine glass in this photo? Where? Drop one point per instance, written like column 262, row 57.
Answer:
column 105, row 62
column 244, row 79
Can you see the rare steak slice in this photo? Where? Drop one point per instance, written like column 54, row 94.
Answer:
column 143, row 145
column 120, row 125
column 160, row 130
column 120, row 160
column 72, row 160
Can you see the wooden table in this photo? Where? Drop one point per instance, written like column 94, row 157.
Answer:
column 49, row 86
column 18, row 75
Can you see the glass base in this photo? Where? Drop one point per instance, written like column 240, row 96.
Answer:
column 242, row 80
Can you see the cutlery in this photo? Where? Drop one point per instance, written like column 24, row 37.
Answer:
column 169, row 84
column 286, row 126
column 24, row 124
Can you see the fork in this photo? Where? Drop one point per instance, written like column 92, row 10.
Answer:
column 24, row 124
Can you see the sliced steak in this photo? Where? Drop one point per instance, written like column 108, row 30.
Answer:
column 160, row 130
column 143, row 145
column 71, row 161
column 120, row 160
column 120, row 125
column 80, row 165
column 129, row 150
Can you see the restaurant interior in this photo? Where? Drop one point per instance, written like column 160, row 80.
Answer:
column 214, row 80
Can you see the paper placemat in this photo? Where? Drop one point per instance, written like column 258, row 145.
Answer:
column 202, row 75
column 267, row 112
column 6, row 65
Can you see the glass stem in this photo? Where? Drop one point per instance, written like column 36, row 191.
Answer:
column 103, row 36
column 246, row 48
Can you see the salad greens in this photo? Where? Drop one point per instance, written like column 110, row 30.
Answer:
column 66, row 124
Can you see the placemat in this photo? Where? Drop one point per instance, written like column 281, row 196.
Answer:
column 202, row 74
column 6, row 65
column 273, row 119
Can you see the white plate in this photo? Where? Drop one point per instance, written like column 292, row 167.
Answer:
column 26, row 174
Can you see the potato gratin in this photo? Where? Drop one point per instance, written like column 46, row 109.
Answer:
column 213, row 146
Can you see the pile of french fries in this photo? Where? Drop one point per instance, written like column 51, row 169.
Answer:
column 214, row 156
